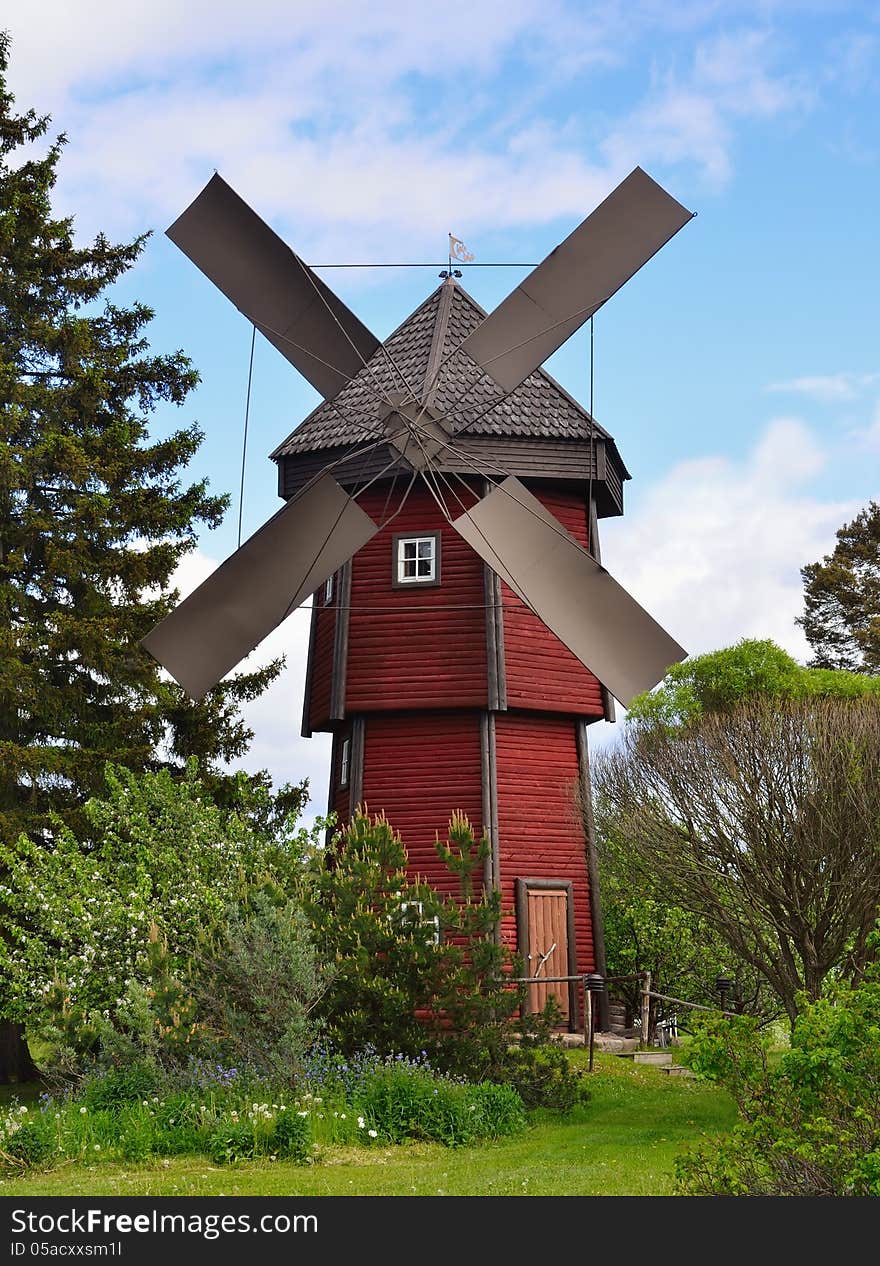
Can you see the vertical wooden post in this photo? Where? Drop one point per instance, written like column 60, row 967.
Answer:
column 590, row 1015
column 586, row 1014
column 646, row 1007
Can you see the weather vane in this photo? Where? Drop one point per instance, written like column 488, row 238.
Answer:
column 457, row 250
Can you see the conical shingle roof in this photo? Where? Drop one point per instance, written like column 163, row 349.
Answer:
column 422, row 354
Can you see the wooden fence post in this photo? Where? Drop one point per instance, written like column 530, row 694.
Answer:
column 646, row 1007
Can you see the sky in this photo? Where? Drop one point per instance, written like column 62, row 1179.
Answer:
column 738, row 371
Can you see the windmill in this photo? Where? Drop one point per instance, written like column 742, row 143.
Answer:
column 405, row 434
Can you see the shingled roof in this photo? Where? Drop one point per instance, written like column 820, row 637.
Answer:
column 468, row 401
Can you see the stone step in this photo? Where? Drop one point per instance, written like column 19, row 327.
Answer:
column 660, row 1059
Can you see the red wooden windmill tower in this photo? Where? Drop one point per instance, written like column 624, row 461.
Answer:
column 442, row 507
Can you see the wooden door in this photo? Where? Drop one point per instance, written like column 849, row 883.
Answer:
column 548, row 945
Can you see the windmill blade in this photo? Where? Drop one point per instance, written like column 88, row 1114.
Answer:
column 574, row 595
column 271, row 285
column 573, row 282
column 262, row 582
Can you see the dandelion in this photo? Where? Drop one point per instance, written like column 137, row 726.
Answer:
column 97, row 1147
column 82, row 1111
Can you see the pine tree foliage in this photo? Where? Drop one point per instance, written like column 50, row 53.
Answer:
column 95, row 512
column 841, row 617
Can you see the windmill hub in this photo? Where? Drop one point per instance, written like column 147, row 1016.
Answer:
column 414, row 430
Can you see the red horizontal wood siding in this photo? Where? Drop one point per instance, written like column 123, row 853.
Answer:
column 427, row 647
column 540, row 835
column 541, row 672
column 418, row 769
column 322, row 661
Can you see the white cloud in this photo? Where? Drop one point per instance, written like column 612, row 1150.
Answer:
column 828, row 388
column 692, row 117
column 346, row 119
column 715, row 548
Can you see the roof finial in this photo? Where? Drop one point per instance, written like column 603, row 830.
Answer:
column 457, row 250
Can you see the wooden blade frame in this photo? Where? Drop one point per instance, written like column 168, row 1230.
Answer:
column 259, row 585
column 569, row 591
column 273, row 288
column 573, row 282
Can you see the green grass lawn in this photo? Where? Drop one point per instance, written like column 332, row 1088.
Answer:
column 623, row 1142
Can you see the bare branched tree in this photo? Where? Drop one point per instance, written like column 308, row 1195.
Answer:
column 764, row 820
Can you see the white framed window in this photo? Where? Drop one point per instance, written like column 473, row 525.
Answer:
column 328, row 590
column 416, row 560
column 413, row 915
column 345, row 762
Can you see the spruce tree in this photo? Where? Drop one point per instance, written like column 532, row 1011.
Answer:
column 94, row 512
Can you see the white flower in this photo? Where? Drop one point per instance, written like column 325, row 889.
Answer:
column 361, row 1123
column 82, row 1111
column 97, row 1147
column 372, row 1134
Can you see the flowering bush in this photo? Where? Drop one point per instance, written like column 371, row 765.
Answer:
column 96, row 940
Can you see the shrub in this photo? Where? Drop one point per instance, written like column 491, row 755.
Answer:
column 400, row 1102
column 400, row 989
column 544, row 1078
column 809, row 1125
column 255, row 984
column 121, row 1086
column 292, row 1137
column 31, row 1144
column 96, row 938
column 230, row 1142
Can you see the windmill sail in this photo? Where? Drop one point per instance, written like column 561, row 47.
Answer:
column 259, row 585
column 568, row 590
column 575, row 279
column 271, row 285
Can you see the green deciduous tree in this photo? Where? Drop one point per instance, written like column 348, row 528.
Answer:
column 752, row 669
column 764, row 820
column 841, row 618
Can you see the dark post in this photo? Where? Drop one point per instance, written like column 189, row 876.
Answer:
column 593, row 984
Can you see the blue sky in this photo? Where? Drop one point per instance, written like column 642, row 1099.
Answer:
column 738, row 371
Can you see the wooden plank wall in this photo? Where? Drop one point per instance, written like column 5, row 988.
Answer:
column 541, row 672
column 540, row 832
column 418, row 769
column 322, row 662
column 427, row 648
